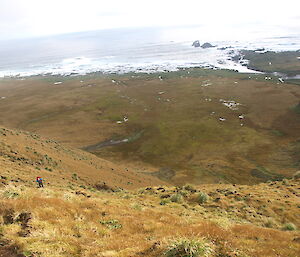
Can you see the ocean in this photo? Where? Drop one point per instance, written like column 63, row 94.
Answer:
column 136, row 50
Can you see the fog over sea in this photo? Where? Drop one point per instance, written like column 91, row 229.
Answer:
column 139, row 50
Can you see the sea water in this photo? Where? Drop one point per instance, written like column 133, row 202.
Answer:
column 136, row 50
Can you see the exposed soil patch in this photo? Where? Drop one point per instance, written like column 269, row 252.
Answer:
column 9, row 250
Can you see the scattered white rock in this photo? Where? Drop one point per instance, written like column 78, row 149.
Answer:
column 113, row 81
column 119, row 122
column 161, row 92
column 81, row 81
column 241, row 116
column 160, row 78
column 281, row 80
column 212, row 113
column 270, row 63
column 125, row 119
column 242, row 124
column 235, row 82
column 232, row 105
column 58, row 83
column 208, row 99
column 222, row 119
column 3, row 97
column 206, row 83
column 268, row 78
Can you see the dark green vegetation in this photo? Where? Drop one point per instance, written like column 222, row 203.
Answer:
column 297, row 108
column 286, row 63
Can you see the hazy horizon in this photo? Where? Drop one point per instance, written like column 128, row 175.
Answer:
column 32, row 18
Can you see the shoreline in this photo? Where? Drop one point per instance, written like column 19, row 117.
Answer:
column 180, row 73
column 284, row 64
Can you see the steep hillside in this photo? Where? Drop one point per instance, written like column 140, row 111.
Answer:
column 228, row 221
column 24, row 156
column 130, row 216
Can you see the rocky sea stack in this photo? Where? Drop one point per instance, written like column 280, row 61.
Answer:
column 196, row 43
column 207, row 45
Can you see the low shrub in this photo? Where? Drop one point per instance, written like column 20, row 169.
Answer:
column 269, row 223
column 111, row 224
column 188, row 248
column 164, row 201
column 202, row 197
column 289, row 227
column 184, row 193
column 176, row 198
column 189, row 187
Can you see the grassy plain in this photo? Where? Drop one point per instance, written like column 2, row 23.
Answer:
column 173, row 121
column 286, row 62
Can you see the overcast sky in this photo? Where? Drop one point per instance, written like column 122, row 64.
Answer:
column 29, row 18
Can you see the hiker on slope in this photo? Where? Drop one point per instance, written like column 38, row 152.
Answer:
column 39, row 180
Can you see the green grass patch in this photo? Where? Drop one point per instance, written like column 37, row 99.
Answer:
column 188, row 248
column 296, row 108
column 111, row 224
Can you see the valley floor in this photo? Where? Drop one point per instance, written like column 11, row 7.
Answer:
column 190, row 126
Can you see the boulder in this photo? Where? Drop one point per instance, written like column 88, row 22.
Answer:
column 207, row 45
column 196, row 43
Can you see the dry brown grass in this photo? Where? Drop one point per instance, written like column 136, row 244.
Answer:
column 66, row 224
column 25, row 156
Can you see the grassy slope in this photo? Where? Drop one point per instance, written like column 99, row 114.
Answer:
column 25, row 156
column 176, row 129
column 247, row 222
column 69, row 217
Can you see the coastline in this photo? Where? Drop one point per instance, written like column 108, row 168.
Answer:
column 283, row 64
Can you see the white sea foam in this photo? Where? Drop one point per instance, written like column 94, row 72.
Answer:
column 212, row 58
column 119, row 56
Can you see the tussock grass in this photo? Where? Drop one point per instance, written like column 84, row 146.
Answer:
column 176, row 198
column 185, row 247
column 289, row 227
column 202, row 197
column 66, row 224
